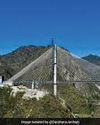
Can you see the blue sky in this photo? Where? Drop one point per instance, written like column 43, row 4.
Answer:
column 75, row 24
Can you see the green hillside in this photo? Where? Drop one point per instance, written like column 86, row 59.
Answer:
column 48, row 106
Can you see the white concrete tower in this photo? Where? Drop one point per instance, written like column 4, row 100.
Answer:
column 1, row 81
column 55, row 71
column 33, row 85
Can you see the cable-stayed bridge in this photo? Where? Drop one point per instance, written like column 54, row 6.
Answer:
column 57, row 67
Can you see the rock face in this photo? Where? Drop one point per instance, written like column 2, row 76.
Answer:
column 28, row 93
column 68, row 68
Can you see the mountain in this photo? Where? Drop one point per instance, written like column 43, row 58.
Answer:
column 68, row 68
column 79, row 99
column 92, row 59
column 13, row 62
column 5, row 70
column 29, row 63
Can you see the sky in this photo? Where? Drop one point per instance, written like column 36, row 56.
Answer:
column 74, row 24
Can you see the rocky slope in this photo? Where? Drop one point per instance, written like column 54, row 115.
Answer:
column 5, row 70
column 92, row 59
column 13, row 62
column 68, row 68
column 70, row 104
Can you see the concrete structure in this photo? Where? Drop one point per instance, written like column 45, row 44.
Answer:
column 58, row 66
column 1, row 80
column 55, row 71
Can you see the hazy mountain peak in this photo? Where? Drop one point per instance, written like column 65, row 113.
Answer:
column 95, row 59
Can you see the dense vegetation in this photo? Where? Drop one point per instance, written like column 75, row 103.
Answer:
column 17, row 107
column 48, row 106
